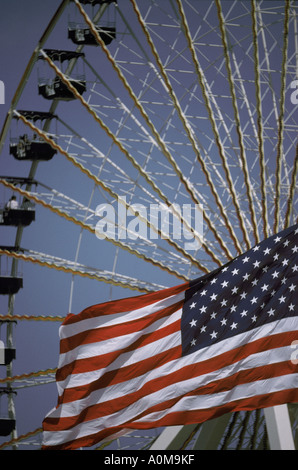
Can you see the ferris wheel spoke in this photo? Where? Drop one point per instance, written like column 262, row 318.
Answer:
column 141, row 248
column 155, row 134
column 281, row 117
column 173, row 163
column 238, row 127
column 190, row 135
column 114, row 195
column 68, row 266
column 259, row 121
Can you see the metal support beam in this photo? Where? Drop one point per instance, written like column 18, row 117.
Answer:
column 279, row 428
column 172, row 437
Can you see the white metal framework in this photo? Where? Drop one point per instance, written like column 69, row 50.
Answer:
column 187, row 102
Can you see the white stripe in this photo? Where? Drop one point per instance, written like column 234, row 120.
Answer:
column 239, row 392
column 125, row 359
column 159, row 397
column 103, row 321
column 172, row 391
column 114, row 344
column 187, row 403
column 287, row 324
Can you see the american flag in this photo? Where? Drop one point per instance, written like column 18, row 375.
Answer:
column 182, row 355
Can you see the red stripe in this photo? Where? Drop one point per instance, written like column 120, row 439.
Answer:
column 104, row 360
column 124, row 305
column 199, row 416
column 268, row 371
column 101, row 334
column 121, row 375
column 186, row 417
column 104, row 409
column 190, row 371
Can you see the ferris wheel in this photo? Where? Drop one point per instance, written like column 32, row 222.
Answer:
column 130, row 116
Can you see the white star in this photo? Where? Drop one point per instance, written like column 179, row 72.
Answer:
column 245, row 277
column 224, row 284
column 213, row 281
column 204, row 292
column 295, row 268
column 203, row 309
column 271, row 312
column 254, row 300
column 246, row 259
column 243, row 295
column 282, row 299
column 275, row 274
column 224, row 269
column 223, row 303
column 235, row 271
column 276, row 256
column 213, row 334
column 233, row 308
column 285, row 262
column 235, row 290
column 193, row 322
column 255, row 282
column 277, row 239
column 193, row 342
column 286, row 242
column 295, row 249
column 265, row 287
column 213, row 297
column 193, row 305
column 292, row 287
column 256, row 264
column 284, row 280
column 223, row 321
column 256, row 248
column 291, row 307
column 244, row 313
column 234, row 325
column 254, row 318
column 267, row 251
column 213, row 315
column 203, row 329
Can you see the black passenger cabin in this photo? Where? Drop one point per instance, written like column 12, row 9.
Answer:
column 16, row 217
column 82, row 35
column 25, row 147
column 7, row 425
column 22, row 214
column 9, row 284
column 54, row 87
column 79, row 33
column 7, row 354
